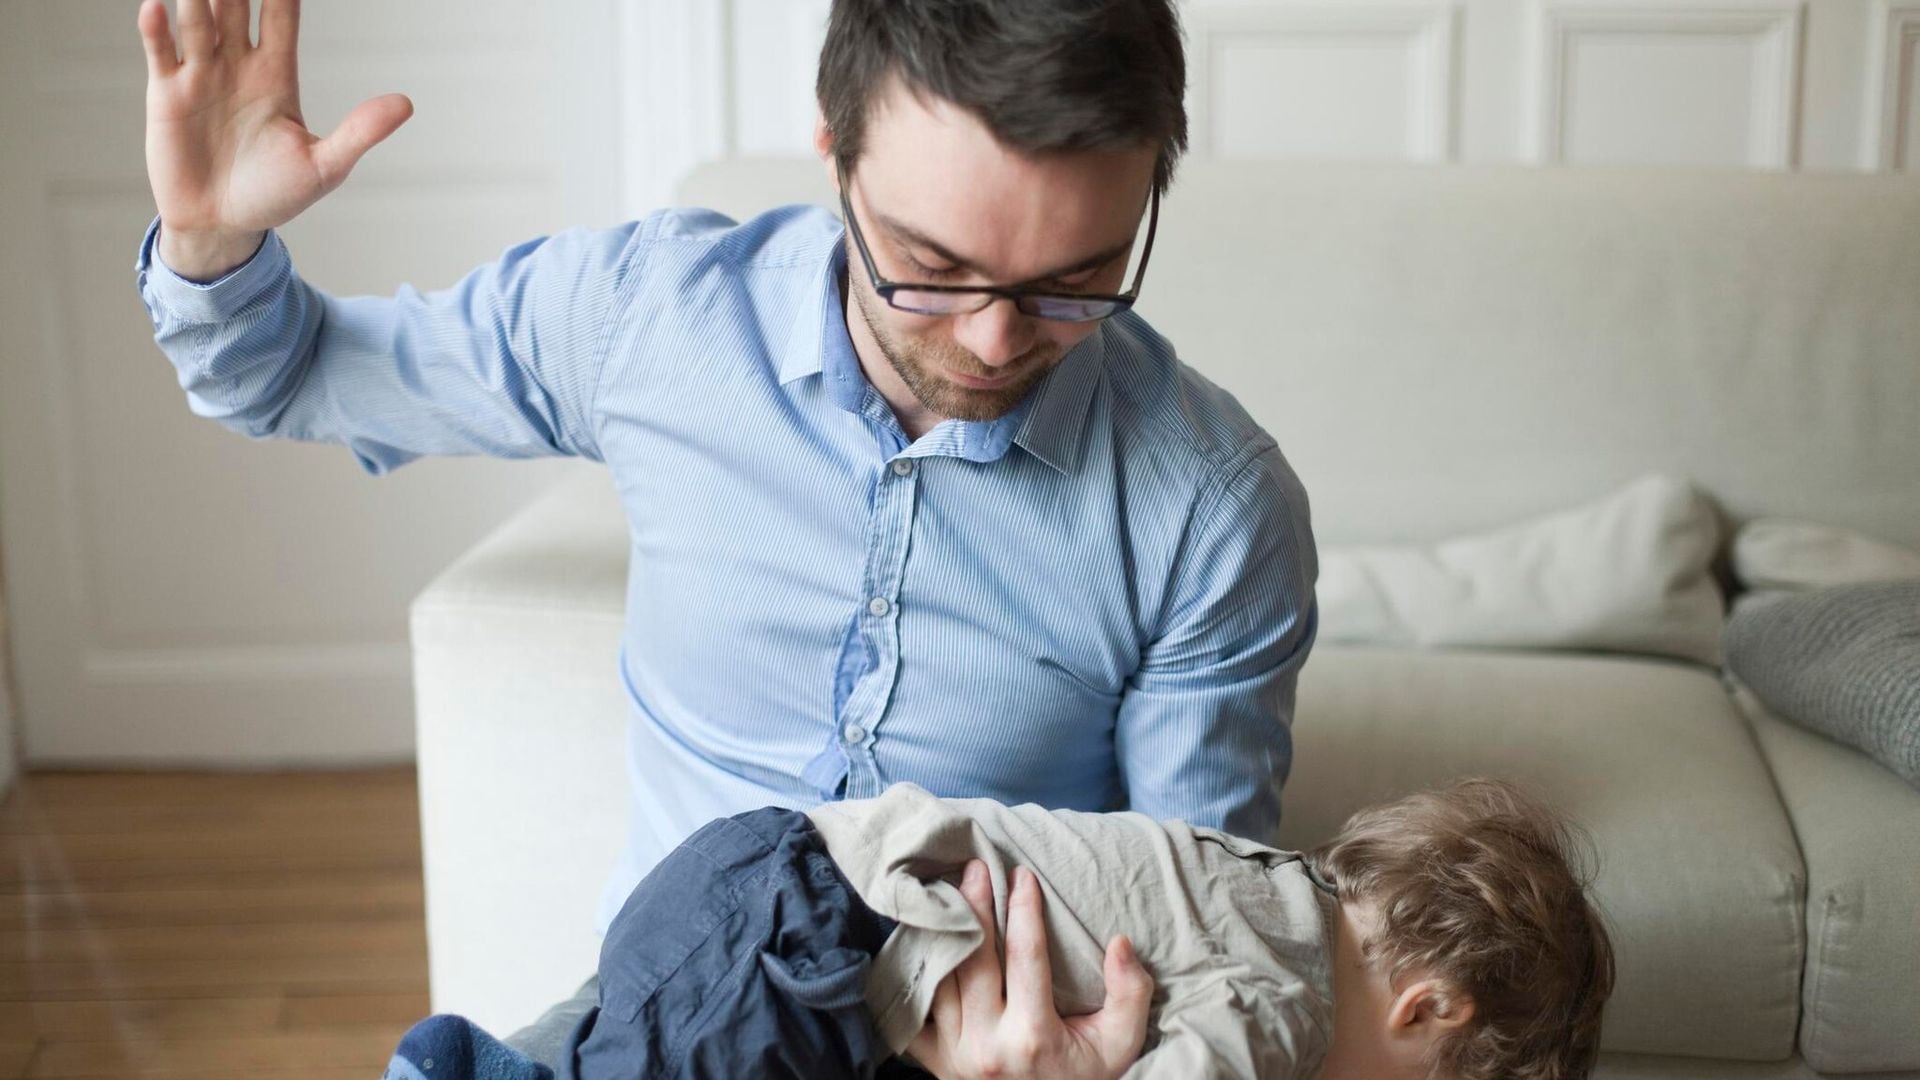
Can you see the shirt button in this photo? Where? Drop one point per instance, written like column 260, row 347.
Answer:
column 903, row 467
column 853, row 733
column 878, row 606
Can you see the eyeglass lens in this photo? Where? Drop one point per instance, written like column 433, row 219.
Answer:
column 1059, row 308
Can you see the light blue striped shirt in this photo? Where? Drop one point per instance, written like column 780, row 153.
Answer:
column 1099, row 601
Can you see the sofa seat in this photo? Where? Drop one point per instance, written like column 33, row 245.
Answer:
column 1699, row 876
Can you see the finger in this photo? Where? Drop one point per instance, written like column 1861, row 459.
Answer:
column 163, row 57
column 1119, row 1029
column 280, row 25
column 1029, row 968
column 981, row 997
column 197, row 35
column 944, row 1016
column 941, row 1029
column 926, row 1049
column 232, row 19
column 369, row 122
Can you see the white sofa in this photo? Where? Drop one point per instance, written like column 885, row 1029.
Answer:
column 1437, row 350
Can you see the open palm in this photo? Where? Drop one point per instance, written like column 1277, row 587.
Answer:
column 228, row 151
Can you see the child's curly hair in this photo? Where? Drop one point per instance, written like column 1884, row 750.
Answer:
column 1481, row 886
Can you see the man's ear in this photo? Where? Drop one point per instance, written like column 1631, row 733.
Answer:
column 1431, row 1003
column 823, row 146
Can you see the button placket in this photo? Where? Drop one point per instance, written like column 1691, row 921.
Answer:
column 891, row 528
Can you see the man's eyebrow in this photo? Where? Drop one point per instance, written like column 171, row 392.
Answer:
column 906, row 232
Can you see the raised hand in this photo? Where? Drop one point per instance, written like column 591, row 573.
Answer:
column 228, row 152
column 977, row 1030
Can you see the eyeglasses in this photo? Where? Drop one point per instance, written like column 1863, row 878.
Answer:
column 966, row 299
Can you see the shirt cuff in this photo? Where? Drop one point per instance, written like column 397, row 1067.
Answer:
column 209, row 301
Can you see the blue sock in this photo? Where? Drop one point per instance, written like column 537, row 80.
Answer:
column 448, row 1047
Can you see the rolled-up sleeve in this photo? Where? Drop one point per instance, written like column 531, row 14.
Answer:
column 504, row 363
column 1204, row 726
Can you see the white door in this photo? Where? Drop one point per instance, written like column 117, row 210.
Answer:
column 178, row 593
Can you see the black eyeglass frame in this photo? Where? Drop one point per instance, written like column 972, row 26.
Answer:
column 1026, row 300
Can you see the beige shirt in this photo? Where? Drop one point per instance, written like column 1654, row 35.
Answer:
column 1235, row 934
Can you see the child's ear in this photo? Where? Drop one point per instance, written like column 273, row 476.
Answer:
column 1430, row 1003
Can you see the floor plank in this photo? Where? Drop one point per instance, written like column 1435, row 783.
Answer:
column 290, row 1054
column 343, row 896
column 209, row 925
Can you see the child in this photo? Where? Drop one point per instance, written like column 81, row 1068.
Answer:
column 1442, row 935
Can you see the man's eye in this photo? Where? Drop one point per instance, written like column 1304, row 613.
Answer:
column 1074, row 284
column 932, row 271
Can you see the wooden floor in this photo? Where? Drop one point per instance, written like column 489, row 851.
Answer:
column 212, row 926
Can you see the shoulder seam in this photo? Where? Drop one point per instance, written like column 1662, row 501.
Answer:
column 784, row 260
column 1219, row 457
column 1206, row 502
column 640, row 249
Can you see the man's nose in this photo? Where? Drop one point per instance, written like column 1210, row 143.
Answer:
column 996, row 333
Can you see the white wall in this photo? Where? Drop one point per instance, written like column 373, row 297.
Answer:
column 1774, row 84
column 178, row 593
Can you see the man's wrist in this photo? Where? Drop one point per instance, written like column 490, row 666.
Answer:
column 187, row 300
column 206, row 257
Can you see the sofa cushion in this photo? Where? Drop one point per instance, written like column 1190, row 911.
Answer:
column 1630, row 572
column 1859, row 827
column 1780, row 553
column 1843, row 661
column 1699, row 876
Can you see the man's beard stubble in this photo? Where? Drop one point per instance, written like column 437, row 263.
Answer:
column 919, row 365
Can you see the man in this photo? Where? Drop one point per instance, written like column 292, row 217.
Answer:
column 914, row 498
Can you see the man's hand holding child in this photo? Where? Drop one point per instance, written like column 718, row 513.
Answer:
column 983, row 1026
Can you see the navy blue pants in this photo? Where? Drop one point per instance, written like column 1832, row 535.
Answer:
column 744, row 953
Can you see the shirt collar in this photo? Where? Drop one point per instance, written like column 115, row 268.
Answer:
column 820, row 326
column 1047, row 423
column 1056, row 409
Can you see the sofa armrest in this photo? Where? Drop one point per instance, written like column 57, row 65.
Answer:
column 1859, row 830
column 521, row 721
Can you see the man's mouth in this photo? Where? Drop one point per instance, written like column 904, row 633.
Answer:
column 973, row 383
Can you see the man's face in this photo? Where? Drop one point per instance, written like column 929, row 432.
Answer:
column 941, row 202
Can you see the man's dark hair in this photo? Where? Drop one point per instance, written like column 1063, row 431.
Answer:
column 1045, row 76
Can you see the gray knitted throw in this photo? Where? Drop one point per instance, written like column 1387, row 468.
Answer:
column 1843, row 661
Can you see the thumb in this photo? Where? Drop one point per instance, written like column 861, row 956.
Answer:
column 370, row 121
column 1119, row 1029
